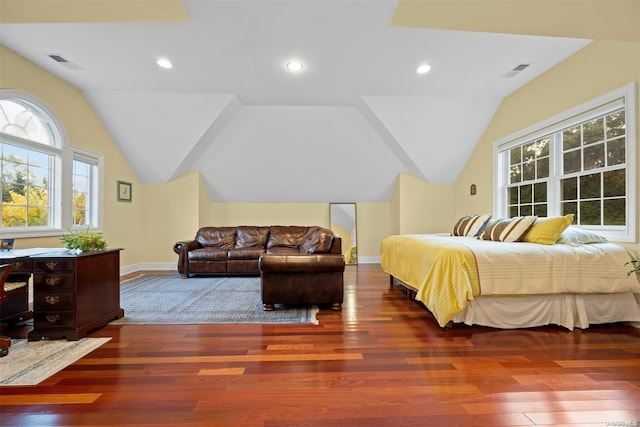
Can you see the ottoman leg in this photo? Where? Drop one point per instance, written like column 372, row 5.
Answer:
column 268, row 307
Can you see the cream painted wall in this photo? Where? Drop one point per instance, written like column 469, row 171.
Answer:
column 423, row 207
column 595, row 70
column 122, row 221
column 170, row 214
column 374, row 224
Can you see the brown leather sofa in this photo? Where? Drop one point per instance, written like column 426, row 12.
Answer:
column 237, row 250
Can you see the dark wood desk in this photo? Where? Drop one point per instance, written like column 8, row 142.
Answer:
column 73, row 294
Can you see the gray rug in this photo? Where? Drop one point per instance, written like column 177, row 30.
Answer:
column 153, row 300
column 29, row 363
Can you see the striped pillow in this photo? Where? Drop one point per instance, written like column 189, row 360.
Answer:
column 470, row 225
column 508, row 230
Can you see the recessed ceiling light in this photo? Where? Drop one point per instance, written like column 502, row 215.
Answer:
column 294, row 66
column 164, row 63
column 423, row 69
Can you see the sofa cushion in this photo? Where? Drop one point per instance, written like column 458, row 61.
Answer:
column 318, row 240
column 287, row 236
column 251, row 237
column 217, row 237
column 251, row 253
column 208, row 254
column 283, row 250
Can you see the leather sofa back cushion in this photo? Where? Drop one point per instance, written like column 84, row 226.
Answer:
column 318, row 240
column 217, row 237
column 288, row 236
column 251, row 237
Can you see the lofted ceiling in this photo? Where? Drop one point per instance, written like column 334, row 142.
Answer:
column 342, row 129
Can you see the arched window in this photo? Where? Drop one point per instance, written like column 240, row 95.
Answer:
column 47, row 185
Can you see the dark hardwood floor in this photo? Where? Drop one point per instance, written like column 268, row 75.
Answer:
column 382, row 361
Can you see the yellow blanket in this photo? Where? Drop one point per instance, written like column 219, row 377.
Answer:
column 425, row 263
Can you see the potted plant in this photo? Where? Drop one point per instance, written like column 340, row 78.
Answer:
column 83, row 241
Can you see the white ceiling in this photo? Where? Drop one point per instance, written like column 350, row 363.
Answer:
column 341, row 130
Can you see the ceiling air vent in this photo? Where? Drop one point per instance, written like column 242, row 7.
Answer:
column 64, row 61
column 516, row 70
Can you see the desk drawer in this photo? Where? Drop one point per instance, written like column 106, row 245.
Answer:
column 21, row 266
column 49, row 282
column 45, row 301
column 53, row 265
column 53, row 319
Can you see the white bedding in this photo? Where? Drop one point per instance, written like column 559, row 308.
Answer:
column 532, row 269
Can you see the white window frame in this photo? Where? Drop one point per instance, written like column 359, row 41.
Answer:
column 60, row 219
column 624, row 96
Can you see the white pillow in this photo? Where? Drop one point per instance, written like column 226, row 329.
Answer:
column 575, row 236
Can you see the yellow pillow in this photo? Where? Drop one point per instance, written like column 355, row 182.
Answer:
column 548, row 230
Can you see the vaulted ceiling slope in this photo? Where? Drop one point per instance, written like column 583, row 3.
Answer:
column 340, row 130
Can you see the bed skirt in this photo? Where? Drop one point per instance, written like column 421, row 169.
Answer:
column 567, row 310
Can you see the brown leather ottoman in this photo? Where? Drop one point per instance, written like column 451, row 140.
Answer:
column 302, row 279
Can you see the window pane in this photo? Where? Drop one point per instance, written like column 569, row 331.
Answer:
column 540, row 192
column 543, row 168
column 528, row 171
column 543, row 147
column 616, row 152
column 529, row 152
column 570, row 208
column 590, row 212
column 526, row 210
column 594, row 156
column 590, row 186
column 513, row 211
column 515, row 156
column 540, row 210
column 38, row 176
column 19, row 118
column 571, row 161
column 571, row 138
column 526, row 193
column 37, row 216
column 513, row 195
column 14, row 215
column 614, row 183
column 615, row 124
column 593, row 131
column 569, row 188
column 614, row 211
column 514, row 174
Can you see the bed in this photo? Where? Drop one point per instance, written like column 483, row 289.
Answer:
column 573, row 282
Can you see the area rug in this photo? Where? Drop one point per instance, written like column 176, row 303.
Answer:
column 29, row 363
column 158, row 299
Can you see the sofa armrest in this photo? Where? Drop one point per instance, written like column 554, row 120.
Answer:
column 324, row 263
column 182, row 249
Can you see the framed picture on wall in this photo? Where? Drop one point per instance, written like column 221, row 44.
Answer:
column 124, row 191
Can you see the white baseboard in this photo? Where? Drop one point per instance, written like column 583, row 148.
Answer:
column 368, row 260
column 148, row 266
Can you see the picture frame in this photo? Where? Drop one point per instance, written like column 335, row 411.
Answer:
column 124, row 191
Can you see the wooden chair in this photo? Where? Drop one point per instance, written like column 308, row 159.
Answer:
column 12, row 295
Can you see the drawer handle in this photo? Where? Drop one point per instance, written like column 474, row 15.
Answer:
column 17, row 265
column 53, row 318
column 52, row 299
column 52, row 281
column 51, row 265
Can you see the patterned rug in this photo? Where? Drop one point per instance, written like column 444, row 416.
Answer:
column 29, row 363
column 153, row 300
